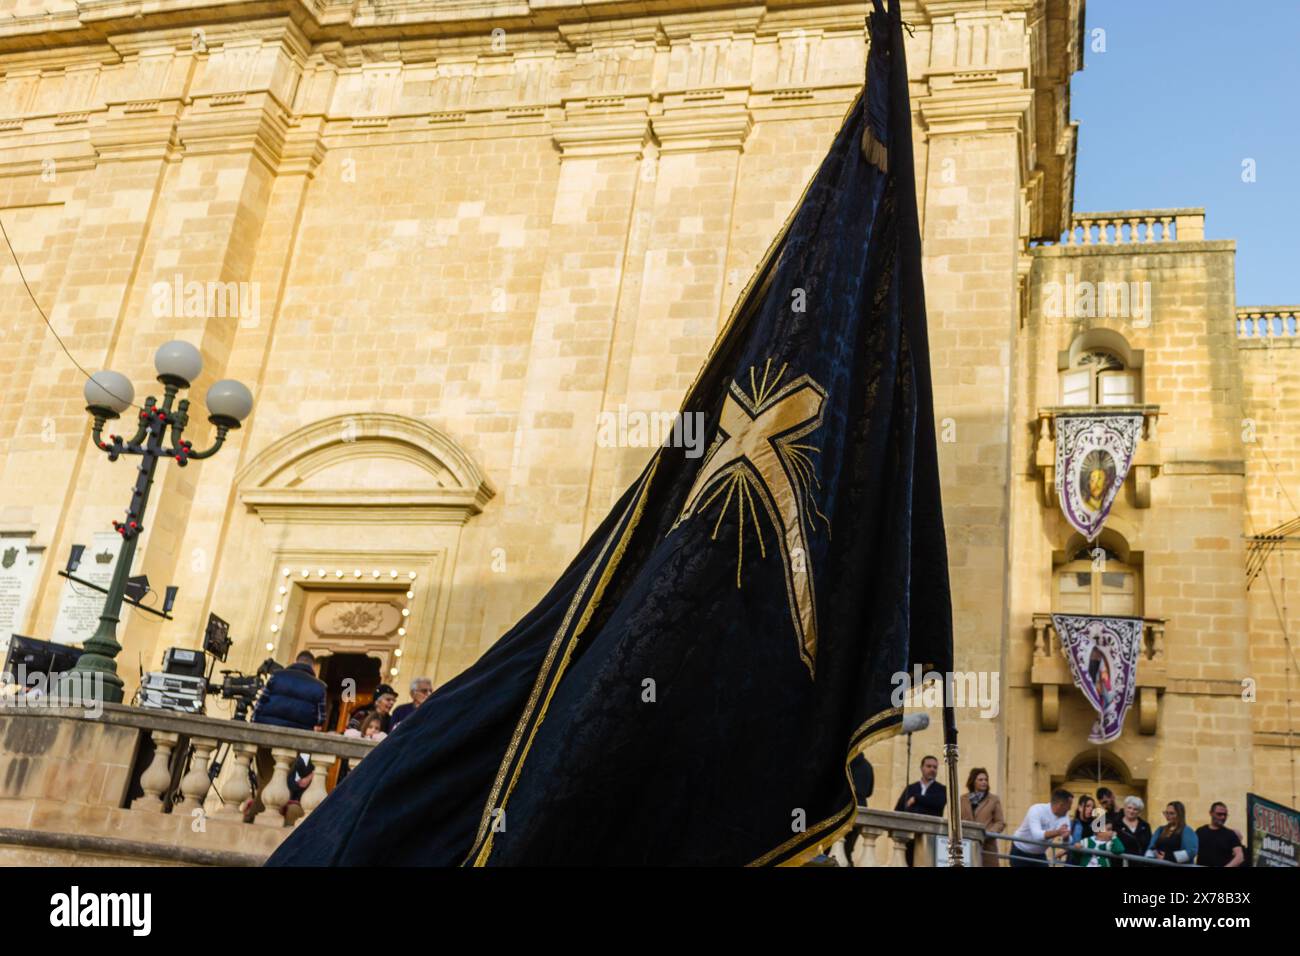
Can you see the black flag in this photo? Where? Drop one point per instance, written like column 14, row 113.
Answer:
column 692, row 689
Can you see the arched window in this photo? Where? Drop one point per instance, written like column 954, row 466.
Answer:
column 1099, row 376
column 1090, row 768
column 1097, row 579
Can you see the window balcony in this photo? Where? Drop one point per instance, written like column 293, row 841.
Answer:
column 1050, row 671
column 1146, row 457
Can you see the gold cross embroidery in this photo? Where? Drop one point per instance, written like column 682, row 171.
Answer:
column 755, row 456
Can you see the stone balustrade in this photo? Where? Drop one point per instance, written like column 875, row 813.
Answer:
column 1147, row 457
column 144, row 778
column 1268, row 321
column 1131, row 226
column 883, row 836
column 1047, row 643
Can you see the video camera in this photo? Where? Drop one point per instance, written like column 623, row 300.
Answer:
column 243, row 688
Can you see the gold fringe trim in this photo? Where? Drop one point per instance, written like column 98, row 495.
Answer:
column 610, row 567
column 873, row 150
column 842, row 821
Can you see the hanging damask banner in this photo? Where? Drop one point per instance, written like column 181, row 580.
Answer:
column 1103, row 655
column 1093, row 455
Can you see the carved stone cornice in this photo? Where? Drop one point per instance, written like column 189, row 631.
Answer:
column 133, row 134
column 258, row 125
column 303, row 149
column 704, row 120
column 603, row 126
column 984, row 108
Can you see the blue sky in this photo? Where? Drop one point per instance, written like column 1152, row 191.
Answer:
column 1185, row 91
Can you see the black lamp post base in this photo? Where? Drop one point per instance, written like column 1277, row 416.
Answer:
column 87, row 684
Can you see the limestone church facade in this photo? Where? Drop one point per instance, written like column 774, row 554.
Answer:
column 445, row 243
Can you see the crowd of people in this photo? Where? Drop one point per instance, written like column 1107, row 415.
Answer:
column 295, row 697
column 1102, row 831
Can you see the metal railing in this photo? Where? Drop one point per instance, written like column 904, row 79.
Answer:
column 904, row 829
column 1068, row 849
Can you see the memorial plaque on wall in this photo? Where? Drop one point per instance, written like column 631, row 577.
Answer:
column 80, row 606
column 19, row 565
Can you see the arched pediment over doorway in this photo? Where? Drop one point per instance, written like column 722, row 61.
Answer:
column 365, row 467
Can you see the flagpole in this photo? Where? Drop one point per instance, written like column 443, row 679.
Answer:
column 954, row 801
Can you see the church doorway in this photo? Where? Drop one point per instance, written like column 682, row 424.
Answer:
column 350, row 682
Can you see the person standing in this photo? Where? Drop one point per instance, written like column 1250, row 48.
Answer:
column 293, row 697
column 1106, row 798
column 982, row 806
column 1044, row 822
column 1219, row 844
column 382, row 704
column 1133, row 832
column 927, row 795
column 421, row 688
column 1175, row 841
column 1081, row 827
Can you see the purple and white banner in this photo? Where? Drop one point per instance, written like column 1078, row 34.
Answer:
column 1103, row 656
column 1093, row 455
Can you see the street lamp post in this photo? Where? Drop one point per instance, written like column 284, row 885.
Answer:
column 108, row 394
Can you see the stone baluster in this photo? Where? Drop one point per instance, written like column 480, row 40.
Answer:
column 1149, row 234
column 322, row 764
column 1157, row 642
column 898, row 852
column 275, row 795
column 235, row 790
column 195, row 783
column 158, row 776
column 1040, row 643
column 1166, row 228
column 864, row 853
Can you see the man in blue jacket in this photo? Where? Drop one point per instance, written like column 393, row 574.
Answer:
column 293, row 697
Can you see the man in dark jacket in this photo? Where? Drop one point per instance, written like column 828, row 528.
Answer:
column 927, row 795
column 293, row 697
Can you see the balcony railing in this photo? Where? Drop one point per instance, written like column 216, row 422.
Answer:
column 1146, row 457
column 1133, row 226
column 1268, row 321
column 1050, row 670
column 129, row 778
column 883, row 836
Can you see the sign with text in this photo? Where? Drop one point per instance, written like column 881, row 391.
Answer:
column 80, row 606
column 19, row 565
column 1274, row 835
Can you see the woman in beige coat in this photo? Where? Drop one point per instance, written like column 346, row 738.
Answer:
column 983, row 807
